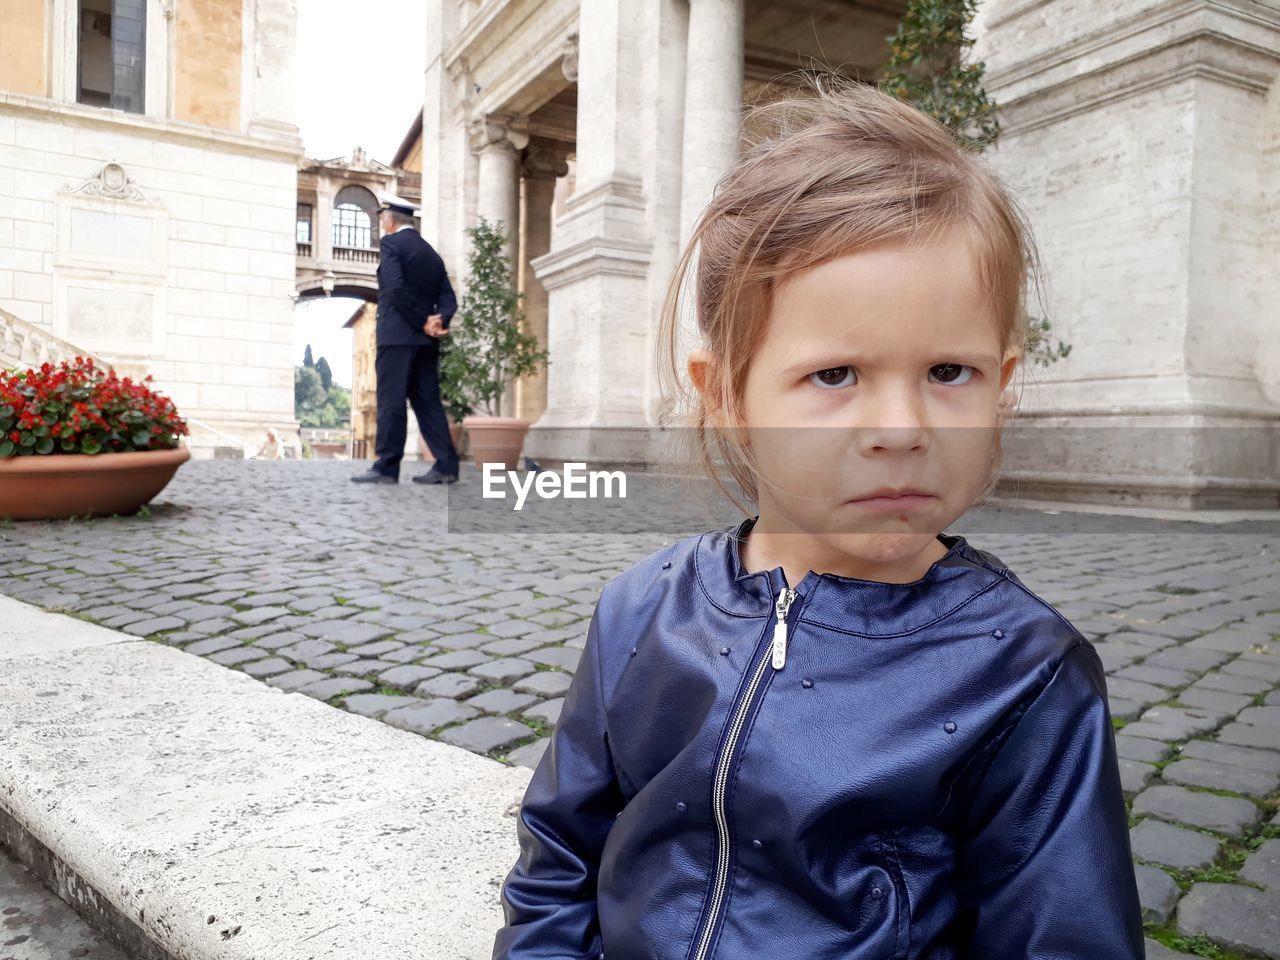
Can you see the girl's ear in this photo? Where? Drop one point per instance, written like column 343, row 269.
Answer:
column 703, row 374
column 1008, row 396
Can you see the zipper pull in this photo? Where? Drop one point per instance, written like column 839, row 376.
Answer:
column 780, row 627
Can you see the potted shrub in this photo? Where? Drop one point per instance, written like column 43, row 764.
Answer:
column 486, row 350
column 76, row 440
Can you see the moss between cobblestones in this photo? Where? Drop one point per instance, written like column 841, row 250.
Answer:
column 1196, row 946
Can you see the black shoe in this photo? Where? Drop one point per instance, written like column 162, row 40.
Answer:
column 373, row 476
column 436, row 475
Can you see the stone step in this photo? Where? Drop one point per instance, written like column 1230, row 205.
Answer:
column 206, row 814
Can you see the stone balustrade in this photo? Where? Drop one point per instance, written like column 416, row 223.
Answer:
column 24, row 344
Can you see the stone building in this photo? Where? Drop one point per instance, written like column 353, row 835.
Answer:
column 148, row 165
column 1143, row 136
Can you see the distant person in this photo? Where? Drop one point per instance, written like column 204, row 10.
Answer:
column 415, row 306
column 272, row 448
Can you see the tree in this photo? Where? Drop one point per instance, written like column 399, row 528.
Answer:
column 326, row 375
column 928, row 68
column 306, row 358
column 486, row 348
column 307, row 389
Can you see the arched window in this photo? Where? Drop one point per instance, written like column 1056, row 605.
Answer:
column 354, row 213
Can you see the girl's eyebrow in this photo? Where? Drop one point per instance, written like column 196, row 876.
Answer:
column 810, row 365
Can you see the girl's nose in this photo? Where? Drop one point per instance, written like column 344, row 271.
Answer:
column 891, row 418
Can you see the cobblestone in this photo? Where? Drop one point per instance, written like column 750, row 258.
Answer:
column 1185, row 616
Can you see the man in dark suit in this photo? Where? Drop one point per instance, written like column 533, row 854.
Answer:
column 415, row 306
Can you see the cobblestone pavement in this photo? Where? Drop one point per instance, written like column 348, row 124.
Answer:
column 360, row 597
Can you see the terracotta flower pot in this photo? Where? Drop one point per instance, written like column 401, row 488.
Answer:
column 63, row 485
column 496, row 440
column 455, row 434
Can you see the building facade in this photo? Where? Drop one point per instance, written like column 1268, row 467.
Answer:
column 1141, row 135
column 148, row 168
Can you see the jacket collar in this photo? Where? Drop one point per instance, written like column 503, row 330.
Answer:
column 862, row 607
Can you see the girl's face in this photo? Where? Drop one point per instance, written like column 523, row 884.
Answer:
column 881, row 369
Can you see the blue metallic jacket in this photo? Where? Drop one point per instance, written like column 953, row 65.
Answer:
column 846, row 770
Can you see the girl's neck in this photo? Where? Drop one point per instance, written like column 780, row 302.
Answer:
column 798, row 553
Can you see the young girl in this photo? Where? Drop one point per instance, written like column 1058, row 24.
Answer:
column 834, row 732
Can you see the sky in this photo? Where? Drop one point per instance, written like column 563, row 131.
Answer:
column 360, row 84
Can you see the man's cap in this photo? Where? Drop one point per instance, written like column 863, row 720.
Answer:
column 389, row 201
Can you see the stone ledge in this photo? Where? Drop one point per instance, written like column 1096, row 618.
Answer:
column 225, row 819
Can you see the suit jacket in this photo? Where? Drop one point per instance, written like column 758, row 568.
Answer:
column 412, row 285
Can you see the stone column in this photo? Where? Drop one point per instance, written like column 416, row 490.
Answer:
column 596, row 277
column 712, row 102
column 498, row 147
column 542, row 167
column 274, row 43
column 1142, row 147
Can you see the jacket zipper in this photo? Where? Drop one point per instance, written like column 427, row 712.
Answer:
column 778, row 658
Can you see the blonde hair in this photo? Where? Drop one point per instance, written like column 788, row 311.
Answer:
column 827, row 173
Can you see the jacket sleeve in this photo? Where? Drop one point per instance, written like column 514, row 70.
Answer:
column 447, row 303
column 549, row 897
column 1045, row 863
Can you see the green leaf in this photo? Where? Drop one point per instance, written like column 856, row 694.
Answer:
column 28, row 440
column 90, row 447
column 142, row 438
column 45, row 445
column 68, row 445
column 6, row 449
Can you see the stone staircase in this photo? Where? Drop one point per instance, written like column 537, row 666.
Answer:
column 24, row 345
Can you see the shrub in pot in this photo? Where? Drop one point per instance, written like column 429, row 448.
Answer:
column 77, row 440
column 487, row 350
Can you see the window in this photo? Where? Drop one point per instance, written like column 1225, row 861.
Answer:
column 353, row 218
column 112, row 54
column 351, row 227
column 304, row 223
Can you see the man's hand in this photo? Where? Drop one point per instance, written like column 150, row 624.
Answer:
column 435, row 326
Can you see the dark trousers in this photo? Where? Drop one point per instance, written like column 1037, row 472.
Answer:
column 411, row 373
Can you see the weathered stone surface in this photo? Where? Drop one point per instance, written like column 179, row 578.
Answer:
column 1250, row 735
column 501, row 701
column 331, row 687
column 456, row 660
column 1217, row 700
column 486, row 734
column 448, row 685
column 1263, row 717
column 1157, row 893
column 377, row 704
column 529, row 754
column 145, row 628
column 429, row 715
column 1134, row 775
column 1265, row 760
column 407, row 677
column 1140, row 748
column 1232, row 683
column 295, row 679
column 1237, row 917
column 1231, row 815
column 548, row 711
column 202, row 648
column 1173, row 846
column 545, row 683
column 237, row 655
column 504, row 670
column 1220, row 776
column 1158, row 951
column 1263, row 867
column 267, row 668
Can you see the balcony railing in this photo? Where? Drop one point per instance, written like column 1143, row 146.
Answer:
column 304, row 249
column 355, row 255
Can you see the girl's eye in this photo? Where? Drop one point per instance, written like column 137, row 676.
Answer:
column 832, row 377
column 952, row 374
